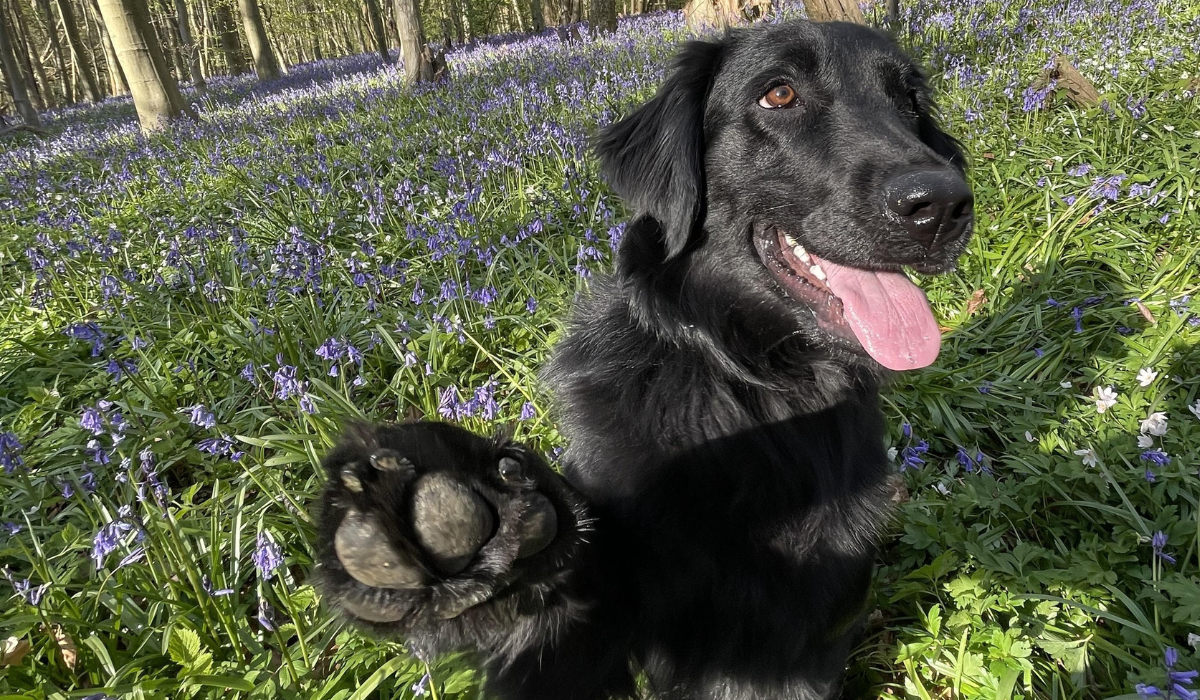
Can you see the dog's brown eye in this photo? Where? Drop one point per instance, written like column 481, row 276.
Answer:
column 778, row 97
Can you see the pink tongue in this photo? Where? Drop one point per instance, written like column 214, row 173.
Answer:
column 889, row 315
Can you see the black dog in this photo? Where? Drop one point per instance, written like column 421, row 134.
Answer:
column 725, row 479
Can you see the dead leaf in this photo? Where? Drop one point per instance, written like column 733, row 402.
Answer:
column 945, row 329
column 66, row 645
column 978, row 299
column 989, row 156
column 13, row 650
column 899, row 489
column 1146, row 314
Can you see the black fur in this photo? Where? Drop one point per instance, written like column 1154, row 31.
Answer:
column 730, row 452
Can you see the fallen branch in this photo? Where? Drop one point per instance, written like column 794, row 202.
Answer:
column 36, row 131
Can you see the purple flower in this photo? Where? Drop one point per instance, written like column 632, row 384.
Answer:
column 531, row 305
column 1051, row 301
column 266, row 615
column 1107, row 187
column 201, row 416
column 89, row 332
column 93, row 420
column 108, row 539
column 1158, row 542
column 911, row 455
column 1157, row 457
column 331, row 350
column 286, row 383
column 528, row 411
column 420, row 688
column 1077, row 314
column 268, row 556
column 1080, row 170
column 11, row 528
column 10, row 452
column 207, row 585
column 32, row 595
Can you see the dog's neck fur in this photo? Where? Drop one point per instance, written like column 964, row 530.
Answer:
column 628, row 381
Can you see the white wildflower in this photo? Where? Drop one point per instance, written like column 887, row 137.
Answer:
column 1029, row 437
column 892, row 452
column 1145, row 441
column 1194, row 640
column 1156, row 424
column 1066, row 385
column 1089, row 457
column 1106, row 398
column 1146, row 376
column 1195, row 409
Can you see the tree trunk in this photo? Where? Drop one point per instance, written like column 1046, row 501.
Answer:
column 116, row 77
column 91, row 87
column 265, row 63
column 13, row 76
column 893, row 13
column 60, row 65
column 539, row 19
column 834, row 11
column 518, row 17
column 187, row 46
column 604, row 16
column 230, row 40
column 377, row 29
column 412, row 42
column 155, row 93
column 19, row 38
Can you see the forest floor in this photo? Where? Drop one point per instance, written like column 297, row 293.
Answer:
column 186, row 322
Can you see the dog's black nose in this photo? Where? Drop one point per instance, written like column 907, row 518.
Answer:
column 934, row 206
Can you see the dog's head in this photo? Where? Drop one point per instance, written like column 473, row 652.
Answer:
column 785, row 176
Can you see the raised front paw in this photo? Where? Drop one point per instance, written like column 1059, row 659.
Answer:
column 423, row 521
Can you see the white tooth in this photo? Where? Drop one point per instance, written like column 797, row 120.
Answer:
column 801, row 253
column 817, row 272
column 790, row 241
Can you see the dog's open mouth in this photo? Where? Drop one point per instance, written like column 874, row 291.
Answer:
column 883, row 312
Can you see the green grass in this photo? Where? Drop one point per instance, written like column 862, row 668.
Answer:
column 1033, row 579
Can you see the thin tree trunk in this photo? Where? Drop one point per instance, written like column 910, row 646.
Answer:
column 187, row 46
column 155, row 92
column 79, row 51
column 266, row 66
column 116, row 76
column 377, row 30
column 60, row 65
column 834, row 11
column 893, row 12
column 517, row 15
column 412, row 42
column 314, row 36
column 230, row 40
column 19, row 36
column 604, row 15
column 538, row 19
column 14, row 78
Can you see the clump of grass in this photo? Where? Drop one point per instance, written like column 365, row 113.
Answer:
column 187, row 321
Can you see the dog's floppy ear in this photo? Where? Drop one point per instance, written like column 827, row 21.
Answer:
column 654, row 158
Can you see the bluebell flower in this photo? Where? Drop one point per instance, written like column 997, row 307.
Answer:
column 268, row 556
column 1157, row 457
column 201, row 416
column 10, row 452
column 1158, row 542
